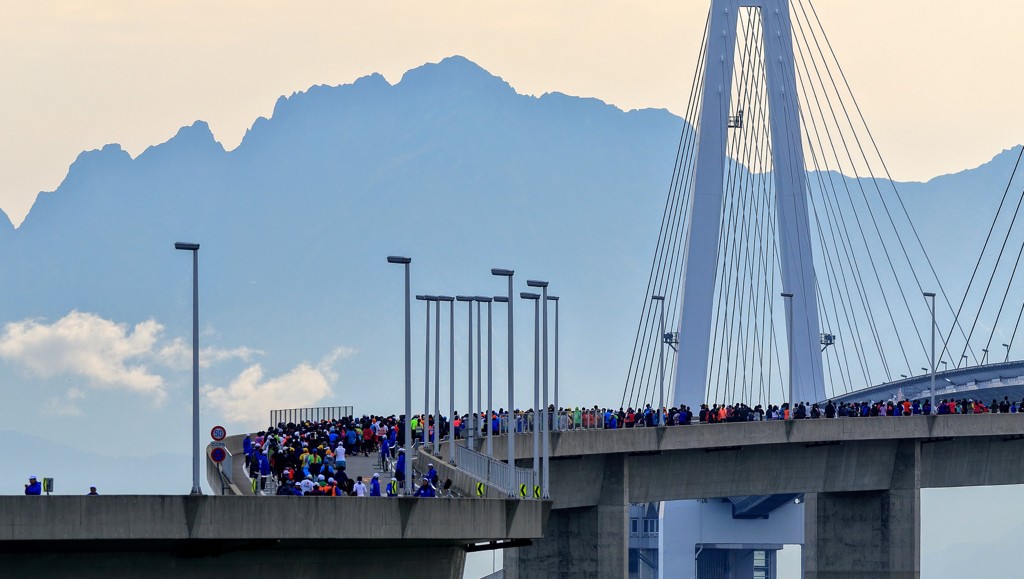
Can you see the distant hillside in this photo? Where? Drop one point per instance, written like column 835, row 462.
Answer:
column 450, row 166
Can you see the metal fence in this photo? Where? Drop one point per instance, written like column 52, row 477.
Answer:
column 498, row 474
column 314, row 414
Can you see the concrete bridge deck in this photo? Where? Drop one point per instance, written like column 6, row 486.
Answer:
column 183, row 536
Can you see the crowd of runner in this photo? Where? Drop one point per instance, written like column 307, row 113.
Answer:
column 310, row 458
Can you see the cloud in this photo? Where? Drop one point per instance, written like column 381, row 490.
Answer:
column 64, row 406
column 251, row 397
column 178, row 354
column 106, row 354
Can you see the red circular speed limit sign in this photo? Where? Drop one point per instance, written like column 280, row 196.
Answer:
column 218, row 433
column 218, row 454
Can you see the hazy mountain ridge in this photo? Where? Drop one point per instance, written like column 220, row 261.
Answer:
column 450, row 165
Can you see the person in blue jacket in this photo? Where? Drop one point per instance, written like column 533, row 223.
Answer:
column 264, row 470
column 425, row 490
column 385, row 453
column 375, row 485
column 33, row 487
column 400, row 467
column 432, row 474
column 247, row 445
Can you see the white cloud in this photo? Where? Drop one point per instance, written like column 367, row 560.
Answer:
column 106, row 354
column 178, row 354
column 251, row 397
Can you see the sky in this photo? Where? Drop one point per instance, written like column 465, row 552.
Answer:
column 935, row 86
column 78, row 74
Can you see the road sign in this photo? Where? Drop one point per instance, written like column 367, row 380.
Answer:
column 218, row 445
column 480, row 489
column 218, row 433
column 218, row 454
column 536, row 492
column 47, row 485
column 522, row 490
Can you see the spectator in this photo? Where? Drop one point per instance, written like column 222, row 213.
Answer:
column 92, row 492
column 375, row 485
column 425, row 490
column 359, row 488
column 33, row 487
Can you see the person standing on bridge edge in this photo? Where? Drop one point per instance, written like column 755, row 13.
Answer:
column 34, row 487
column 375, row 485
column 92, row 492
column 425, row 490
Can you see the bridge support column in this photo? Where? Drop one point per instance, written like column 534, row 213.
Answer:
column 584, row 542
column 870, row 534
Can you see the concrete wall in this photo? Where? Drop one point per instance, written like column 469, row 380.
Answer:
column 183, row 536
column 67, row 518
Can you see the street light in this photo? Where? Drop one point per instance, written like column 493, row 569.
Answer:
column 661, row 354
column 945, row 365
column 984, row 356
column 1007, row 359
column 408, row 370
column 194, row 248
column 789, row 334
column 931, row 295
column 963, row 360
column 426, row 372
column 451, row 372
column 557, row 420
column 479, row 367
column 536, row 380
column 544, row 412
column 469, row 415
column 511, row 365
column 437, row 375
column 490, row 378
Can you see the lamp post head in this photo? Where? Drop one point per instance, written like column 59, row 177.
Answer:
column 501, row 299
column 464, row 298
column 186, row 246
column 529, row 296
column 445, row 299
column 484, row 299
column 787, row 295
column 658, row 298
column 929, row 294
column 536, row 283
column 504, row 272
column 423, row 298
column 399, row 259
column 552, row 298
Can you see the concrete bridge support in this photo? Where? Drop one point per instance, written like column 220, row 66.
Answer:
column 582, row 542
column 868, row 534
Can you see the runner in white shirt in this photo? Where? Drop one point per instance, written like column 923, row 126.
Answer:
column 359, row 488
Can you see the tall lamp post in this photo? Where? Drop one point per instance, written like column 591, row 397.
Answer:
column 437, row 374
column 194, row 248
column 544, row 411
column 789, row 335
column 451, row 373
column 511, row 365
column 558, row 417
column 490, row 379
column 536, row 380
column 931, row 296
column 1007, row 358
column 479, row 367
column 408, row 370
column 661, row 355
column 426, row 372
column 469, row 414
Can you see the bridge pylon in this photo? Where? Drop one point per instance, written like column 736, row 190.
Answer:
column 701, row 253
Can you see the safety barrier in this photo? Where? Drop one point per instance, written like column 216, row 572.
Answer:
column 314, row 414
column 498, row 474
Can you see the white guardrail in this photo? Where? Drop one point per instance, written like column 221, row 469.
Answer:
column 496, row 473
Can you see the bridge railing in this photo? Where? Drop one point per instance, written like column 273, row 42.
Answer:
column 498, row 474
column 313, row 414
